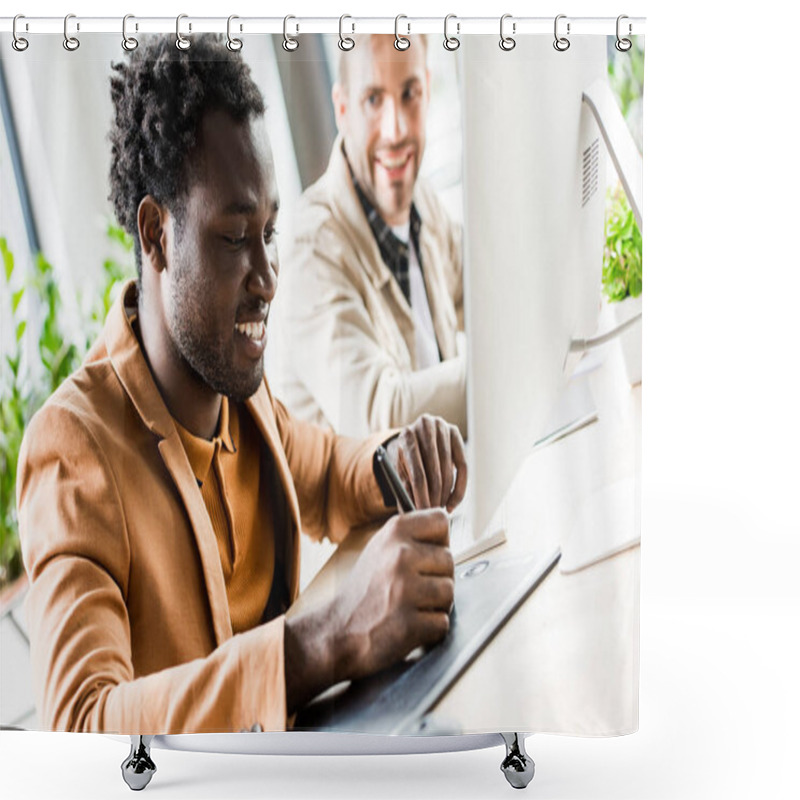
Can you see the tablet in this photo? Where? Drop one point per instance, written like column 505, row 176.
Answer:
column 487, row 593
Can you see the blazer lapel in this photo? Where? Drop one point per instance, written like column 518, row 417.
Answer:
column 177, row 464
column 133, row 372
column 438, row 299
column 260, row 408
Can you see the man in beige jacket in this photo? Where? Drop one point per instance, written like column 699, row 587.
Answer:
column 162, row 489
column 372, row 295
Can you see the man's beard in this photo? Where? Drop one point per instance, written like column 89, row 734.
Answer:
column 394, row 198
column 205, row 354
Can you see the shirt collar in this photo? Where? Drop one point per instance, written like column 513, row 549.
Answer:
column 200, row 451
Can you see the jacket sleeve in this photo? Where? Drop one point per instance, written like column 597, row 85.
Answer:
column 335, row 352
column 76, row 552
column 334, row 476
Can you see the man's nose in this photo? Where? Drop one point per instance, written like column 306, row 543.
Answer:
column 393, row 122
column 264, row 274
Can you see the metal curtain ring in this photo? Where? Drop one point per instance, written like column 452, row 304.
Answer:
column 507, row 42
column 290, row 43
column 18, row 43
column 401, row 42
column 561, row 43
column 70, row 42
column 128, row 42
column 181, row 42
column 345, row 42
column 623, row 45
column 451, row 43
column 233, row 44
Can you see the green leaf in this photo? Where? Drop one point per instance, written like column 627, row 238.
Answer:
column 622, row 257
column 15, row 299
column 43, row 266
column 117, row 234
column 21, row 330
column 8, row 258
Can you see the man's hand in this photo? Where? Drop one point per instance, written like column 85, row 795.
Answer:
column 398, row 597
column 429, row 458
column 399, row 594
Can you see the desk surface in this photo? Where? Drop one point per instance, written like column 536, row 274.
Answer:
column 568, row 660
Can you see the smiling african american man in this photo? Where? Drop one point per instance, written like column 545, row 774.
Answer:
column 162, row 489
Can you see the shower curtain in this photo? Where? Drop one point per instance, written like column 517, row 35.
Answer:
column 237, row 268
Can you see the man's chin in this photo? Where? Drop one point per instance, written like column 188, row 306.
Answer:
column 241, row 393
column 239, row 386
column 248, row 388
column 395, row 204
column 392, row 199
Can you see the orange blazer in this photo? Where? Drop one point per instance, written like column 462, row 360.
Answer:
column 127, row 609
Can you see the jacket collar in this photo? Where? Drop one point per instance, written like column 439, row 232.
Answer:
column 130, row 365
column 346, row 207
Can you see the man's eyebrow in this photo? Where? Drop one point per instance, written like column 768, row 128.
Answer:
column 244, row 208
column 239, row 207
column 372, row 90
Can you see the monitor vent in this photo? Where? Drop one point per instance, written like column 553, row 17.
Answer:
column 591, row 171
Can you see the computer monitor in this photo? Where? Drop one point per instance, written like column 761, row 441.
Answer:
column 534, row 195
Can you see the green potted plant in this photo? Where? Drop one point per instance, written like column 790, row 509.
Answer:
column 622, row 276
column 622, row 258
column 37, row 359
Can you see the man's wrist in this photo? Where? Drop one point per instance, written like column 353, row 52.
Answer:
column 316, row 655
column 386, row 491
column 307, row 660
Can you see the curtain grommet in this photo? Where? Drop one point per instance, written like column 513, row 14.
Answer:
column 181, row 42
column 451, row 43
column 507, row 43
column 346, row 43
column 290, row 43
column 19, row 43
column 233, row 44
column 623, row 44
column 561, row 43
column 71, row 43
column 401, row 43
column 129, row 43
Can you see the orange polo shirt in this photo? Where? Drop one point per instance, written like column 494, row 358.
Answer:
column 237, row 497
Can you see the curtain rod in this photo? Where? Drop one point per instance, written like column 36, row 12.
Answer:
column 404, row 25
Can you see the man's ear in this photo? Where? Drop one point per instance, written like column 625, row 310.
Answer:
column 339, row 97
column 152, row 218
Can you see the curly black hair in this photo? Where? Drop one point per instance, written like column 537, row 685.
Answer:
column 160, row 94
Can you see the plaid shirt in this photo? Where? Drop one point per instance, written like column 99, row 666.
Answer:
column 394, row 252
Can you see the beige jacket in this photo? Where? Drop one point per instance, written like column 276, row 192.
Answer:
column 127, row 609
column 347, row 333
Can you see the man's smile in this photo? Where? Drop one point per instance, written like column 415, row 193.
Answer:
column 254, row 332
column 395, row 162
